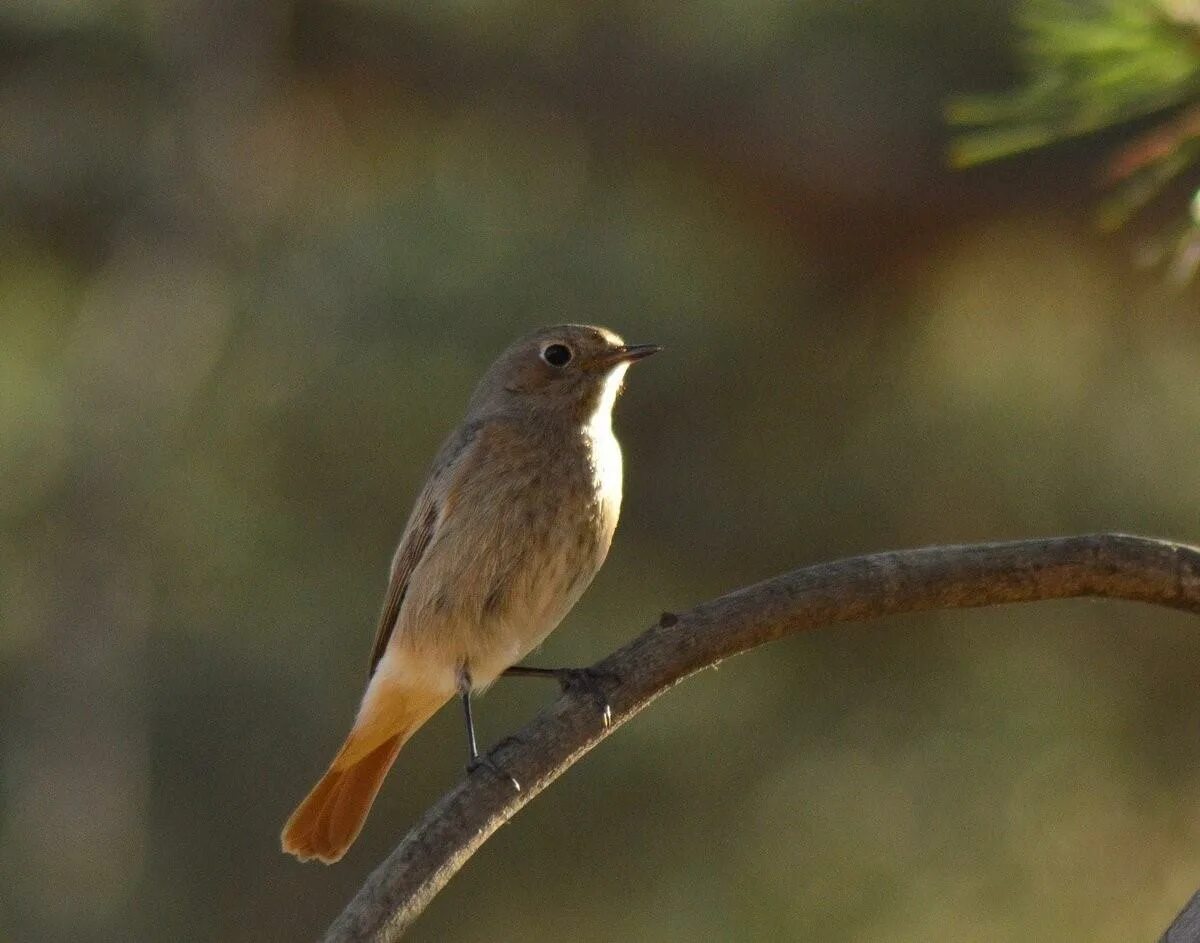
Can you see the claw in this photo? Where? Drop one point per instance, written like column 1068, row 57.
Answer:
column 592, row 681
column 498, row 771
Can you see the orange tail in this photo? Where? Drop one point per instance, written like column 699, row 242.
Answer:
column 329, row 819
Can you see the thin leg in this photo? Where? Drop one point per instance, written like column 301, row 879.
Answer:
column 527, row 671
column 588, row 679
column 472, row 745
column 474, row 760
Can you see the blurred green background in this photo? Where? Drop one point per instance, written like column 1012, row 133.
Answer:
column 254, row 255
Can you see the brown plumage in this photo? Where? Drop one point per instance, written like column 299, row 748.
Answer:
column 513, row 523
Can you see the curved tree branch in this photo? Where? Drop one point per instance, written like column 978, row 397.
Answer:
column 1185, row 928
column 1113, row 566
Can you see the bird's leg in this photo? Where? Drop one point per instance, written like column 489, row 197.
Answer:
column 569, row 679
column 528, row 671
column 472, row 745
column 474, row 760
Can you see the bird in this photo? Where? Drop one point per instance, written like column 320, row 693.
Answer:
column 513, row 522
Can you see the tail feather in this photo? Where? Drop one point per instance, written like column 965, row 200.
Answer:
column 330, row 818
column 326, row 823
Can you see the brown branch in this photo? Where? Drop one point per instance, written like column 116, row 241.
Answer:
column 1113, row 566
column 1185, row 928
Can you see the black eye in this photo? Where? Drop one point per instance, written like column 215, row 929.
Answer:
column 557, row 355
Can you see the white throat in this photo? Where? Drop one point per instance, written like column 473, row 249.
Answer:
column 606, row 451
column 602, row 417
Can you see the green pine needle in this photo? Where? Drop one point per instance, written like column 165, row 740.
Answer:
column 1095, row 64
column 1091, row 64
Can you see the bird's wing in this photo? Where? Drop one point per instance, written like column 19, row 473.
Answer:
column 422, row 526
column 412, row 547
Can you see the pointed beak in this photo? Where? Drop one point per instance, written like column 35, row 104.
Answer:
column 628, row 353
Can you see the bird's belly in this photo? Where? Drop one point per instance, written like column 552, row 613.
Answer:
column 506, row 636
column 493, row 608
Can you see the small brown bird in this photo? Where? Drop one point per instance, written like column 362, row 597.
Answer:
column 513, row 523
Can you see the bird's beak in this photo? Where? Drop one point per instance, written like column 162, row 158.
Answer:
column 628, row 353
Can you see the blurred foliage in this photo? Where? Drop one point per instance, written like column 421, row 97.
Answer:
column 1092, row 65
column 254, row 255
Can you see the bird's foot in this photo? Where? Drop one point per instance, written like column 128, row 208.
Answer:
column 485, row 761
column 593, row 681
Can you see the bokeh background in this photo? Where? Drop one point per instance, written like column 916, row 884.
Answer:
column 253, row 256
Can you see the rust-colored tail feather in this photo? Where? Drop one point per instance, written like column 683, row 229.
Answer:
column 326, row 823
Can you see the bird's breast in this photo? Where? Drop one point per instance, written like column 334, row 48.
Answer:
column 605, row 465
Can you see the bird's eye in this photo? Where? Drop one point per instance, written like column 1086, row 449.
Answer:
column 557, row 355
